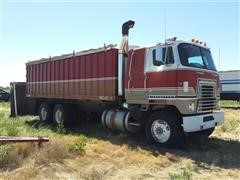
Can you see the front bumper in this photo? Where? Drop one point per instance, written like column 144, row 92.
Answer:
column 202, row 122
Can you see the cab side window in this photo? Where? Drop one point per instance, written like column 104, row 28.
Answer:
column 151, row 56
column 168, row 58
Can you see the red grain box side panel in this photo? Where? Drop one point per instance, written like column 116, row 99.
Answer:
column 31, row 88
column 51, row 80
column 82, row 68
column 71, row 77
column 61, row 73
column 88, row 84
column 94, row 84
column 37, row 79
column 76, row 76
column 27, row 78
column 85, row 77
column 48, row 78
column 44, row 70
column 101, row 64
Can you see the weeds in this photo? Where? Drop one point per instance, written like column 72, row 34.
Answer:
column 61, row 129
column 2, row 114
column 228, row 103
column 231, row 123
column 185, row 174
column 229, row 126
column 80, row 146
column 4, row 105
column 3, row 154
column 12, row 131
column 51, row 152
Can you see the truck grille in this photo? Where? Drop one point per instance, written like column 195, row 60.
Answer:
column 207, row 96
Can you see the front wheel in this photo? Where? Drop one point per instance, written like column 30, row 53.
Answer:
column 164, row 129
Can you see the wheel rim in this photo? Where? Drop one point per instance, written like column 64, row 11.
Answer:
column 160, row 131
column 59, row 116
column 43, row 113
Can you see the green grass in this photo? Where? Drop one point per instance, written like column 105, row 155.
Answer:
column 80, row 146
column 61, row 145
column 25, row 125
column 4, row 105
column 185, row 174
column 229, row 103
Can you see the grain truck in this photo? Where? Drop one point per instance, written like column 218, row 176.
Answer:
column 170, row 89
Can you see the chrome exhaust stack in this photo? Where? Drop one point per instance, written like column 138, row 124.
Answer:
column 122, row 55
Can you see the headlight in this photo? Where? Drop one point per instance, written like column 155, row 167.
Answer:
column 191, row 107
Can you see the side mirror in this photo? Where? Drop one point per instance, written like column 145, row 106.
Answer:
column 157, row 56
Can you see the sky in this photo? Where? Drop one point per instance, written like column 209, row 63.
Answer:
column 34, row 29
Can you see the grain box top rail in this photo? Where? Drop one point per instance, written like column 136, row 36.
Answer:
column 80, row 53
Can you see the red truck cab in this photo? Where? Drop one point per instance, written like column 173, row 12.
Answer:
column 177, row 75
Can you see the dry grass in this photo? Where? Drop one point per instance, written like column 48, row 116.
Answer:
column 231, row 127
column 91, row 152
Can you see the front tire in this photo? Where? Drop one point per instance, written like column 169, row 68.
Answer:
column 164, row 129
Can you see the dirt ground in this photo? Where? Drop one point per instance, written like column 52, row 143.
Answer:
column 123, row 156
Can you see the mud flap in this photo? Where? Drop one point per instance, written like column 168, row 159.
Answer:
column 20, row 104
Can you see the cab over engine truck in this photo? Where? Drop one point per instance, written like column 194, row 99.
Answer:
column 170, row 89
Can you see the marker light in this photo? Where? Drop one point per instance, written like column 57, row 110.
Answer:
column 174, row 38
column 197, row 41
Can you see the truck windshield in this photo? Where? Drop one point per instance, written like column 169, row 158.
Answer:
column 195, row 56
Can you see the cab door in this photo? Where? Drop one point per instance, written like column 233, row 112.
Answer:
column 161, row 80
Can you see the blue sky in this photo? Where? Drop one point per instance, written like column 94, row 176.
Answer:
column 34, row 29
